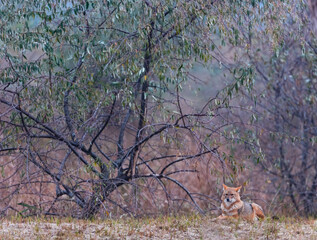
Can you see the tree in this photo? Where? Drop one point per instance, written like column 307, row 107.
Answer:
column 90, row 94
column 284, row 110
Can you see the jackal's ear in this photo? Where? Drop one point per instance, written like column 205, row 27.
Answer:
column 224, row 187
column 238, row 189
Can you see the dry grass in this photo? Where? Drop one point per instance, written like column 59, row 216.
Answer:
column 182, row 227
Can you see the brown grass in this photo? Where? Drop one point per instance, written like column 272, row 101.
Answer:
column 181, row 227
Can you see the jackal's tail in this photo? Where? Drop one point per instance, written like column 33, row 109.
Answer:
column 258, row 210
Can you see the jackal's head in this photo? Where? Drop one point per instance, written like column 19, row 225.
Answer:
column 230, row 195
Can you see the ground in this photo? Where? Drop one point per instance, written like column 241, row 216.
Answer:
column 181, row 227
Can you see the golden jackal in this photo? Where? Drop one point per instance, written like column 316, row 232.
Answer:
column 233, row 207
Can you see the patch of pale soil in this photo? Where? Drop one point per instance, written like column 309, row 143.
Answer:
column 261, row 230
column 193, row 227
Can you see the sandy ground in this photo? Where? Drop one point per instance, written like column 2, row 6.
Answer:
column 193, row 227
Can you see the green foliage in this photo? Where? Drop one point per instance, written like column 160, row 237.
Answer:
column 112, row 39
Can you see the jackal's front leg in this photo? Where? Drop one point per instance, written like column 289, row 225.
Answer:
column 222, row 217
